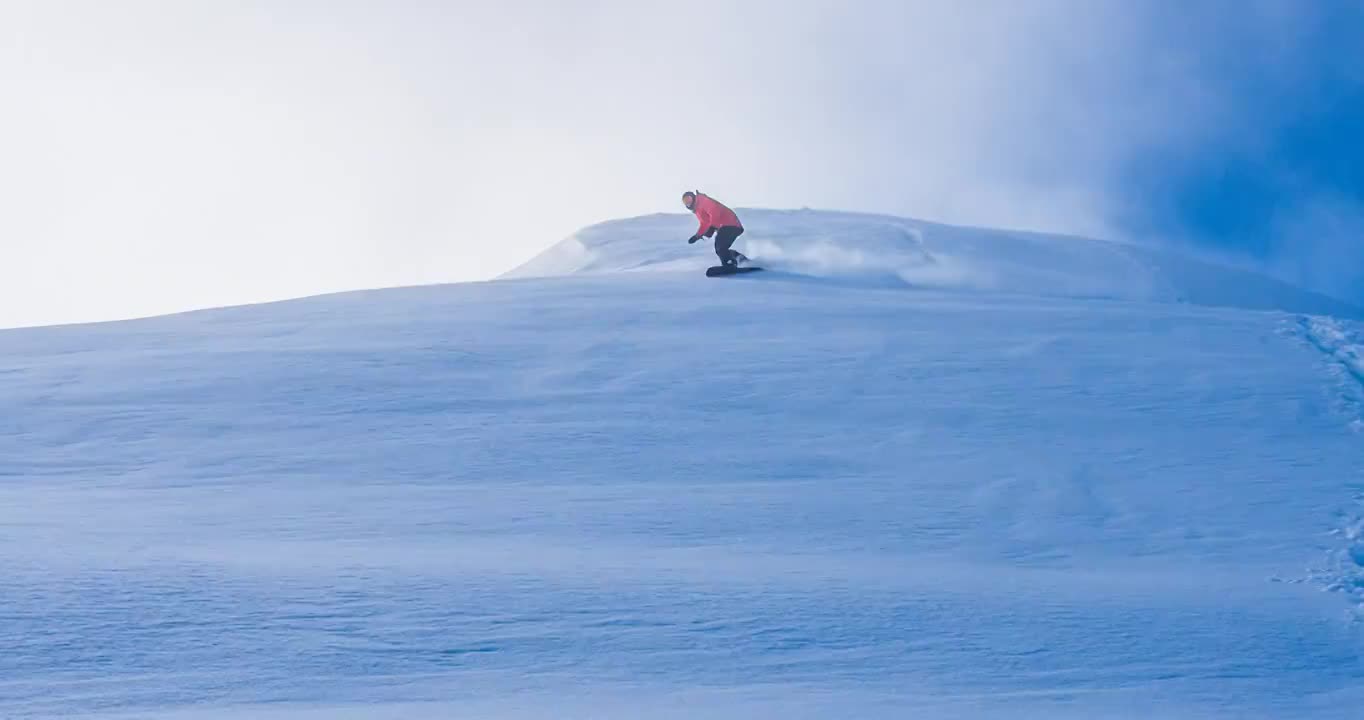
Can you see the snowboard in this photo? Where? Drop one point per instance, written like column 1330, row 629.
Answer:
column 723, row 270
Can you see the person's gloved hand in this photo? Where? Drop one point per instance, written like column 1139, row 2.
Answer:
column 692, row 240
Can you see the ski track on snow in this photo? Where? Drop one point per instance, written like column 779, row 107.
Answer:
column 1345, row 355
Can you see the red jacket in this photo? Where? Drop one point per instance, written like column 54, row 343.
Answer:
column 712, row 214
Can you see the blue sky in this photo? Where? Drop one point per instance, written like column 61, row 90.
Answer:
column 163, row 155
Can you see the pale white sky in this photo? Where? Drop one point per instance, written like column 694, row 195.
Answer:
column 163, row 155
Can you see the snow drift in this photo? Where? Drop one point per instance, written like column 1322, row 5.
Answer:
column 899, row 252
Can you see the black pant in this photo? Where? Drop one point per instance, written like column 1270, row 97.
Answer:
column 724, row 238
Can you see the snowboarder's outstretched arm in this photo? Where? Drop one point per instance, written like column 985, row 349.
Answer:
column 709, row 231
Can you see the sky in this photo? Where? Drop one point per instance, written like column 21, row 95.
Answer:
column 157, row 156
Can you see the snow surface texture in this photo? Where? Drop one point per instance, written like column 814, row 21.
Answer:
column 654, row 494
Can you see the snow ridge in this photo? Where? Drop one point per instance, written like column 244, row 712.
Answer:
column 881, row 251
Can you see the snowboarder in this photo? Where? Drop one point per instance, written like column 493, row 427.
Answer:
column 717, row 220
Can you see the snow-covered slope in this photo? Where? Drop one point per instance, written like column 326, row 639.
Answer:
column 899, row 252
column 626, row 495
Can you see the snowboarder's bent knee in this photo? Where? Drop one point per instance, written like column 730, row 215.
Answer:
column 718, row 221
